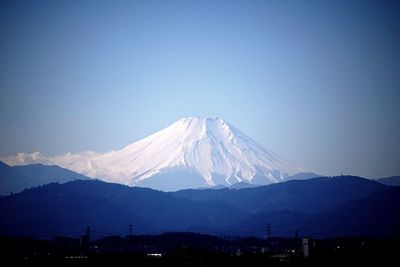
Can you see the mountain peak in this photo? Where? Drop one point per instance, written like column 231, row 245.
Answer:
column 197, row 119
column 208, row 150
column 199, row 126
column 200, row 121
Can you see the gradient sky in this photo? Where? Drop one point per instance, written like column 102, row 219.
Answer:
column 316, row 81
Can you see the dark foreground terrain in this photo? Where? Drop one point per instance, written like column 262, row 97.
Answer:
column 196, row 249
column 321, row 207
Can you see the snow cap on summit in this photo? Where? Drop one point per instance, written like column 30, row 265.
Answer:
column 208, row 147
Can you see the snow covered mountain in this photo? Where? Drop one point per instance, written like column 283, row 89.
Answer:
column 190, row 153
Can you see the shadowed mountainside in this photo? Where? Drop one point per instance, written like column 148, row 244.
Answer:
column 17, row 178
column 321, row 207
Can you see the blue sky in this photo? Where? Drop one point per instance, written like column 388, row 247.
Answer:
column 316, row 81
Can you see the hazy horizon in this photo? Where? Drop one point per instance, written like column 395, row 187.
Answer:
column 315, row 81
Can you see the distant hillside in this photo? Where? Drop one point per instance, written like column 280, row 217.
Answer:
column 242, row 185
column 312, row 195
column 67, row 209
column 323, row 207
column 393, row 180
column 302, row 176
column 375, row 215
column 17, row 178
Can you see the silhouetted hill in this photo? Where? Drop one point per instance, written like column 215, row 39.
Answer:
column 376, row 215
column 393, row 180
column 17, row 178
column 319, row 207
column 302, row 176
column 312, row 195
column 66, row 209
column 241, row 185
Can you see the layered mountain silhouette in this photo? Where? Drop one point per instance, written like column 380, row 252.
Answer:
column 17, row 178
column 318, row 207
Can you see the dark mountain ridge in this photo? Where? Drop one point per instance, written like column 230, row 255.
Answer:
column 321, row 207
column 17, row 178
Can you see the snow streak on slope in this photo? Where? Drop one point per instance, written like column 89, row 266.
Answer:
column 207, row 146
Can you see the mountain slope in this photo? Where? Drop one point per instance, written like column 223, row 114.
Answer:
column 312, row 195
column 374, row 215
column 208, row 151
column 302, row 176
column 17, row 178
column 67, row 209
column 393, row 180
